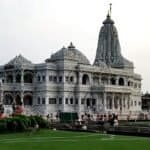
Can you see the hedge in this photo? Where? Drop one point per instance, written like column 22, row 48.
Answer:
column 22, row 123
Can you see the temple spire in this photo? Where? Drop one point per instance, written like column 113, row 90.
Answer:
column 110, row 8
column 108, row 47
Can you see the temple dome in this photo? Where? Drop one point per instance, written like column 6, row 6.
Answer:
column 18, row 61
column 70, row 53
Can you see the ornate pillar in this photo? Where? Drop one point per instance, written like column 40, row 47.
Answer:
column 104, row 101
column 109, row 78
column 63, row 104
column 113, row 103
column 22, row 95
column 79, row 104
column 1, row 96
column 22, row 76
column 14, row 77
column 117, row 80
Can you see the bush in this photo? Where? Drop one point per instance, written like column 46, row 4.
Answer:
column 3, row 126
column 41, row 122
column 21, row 123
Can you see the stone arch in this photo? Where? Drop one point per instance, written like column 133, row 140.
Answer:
column 39, row 77
column 8, row 99
column 113, row 81
column 85, row 79
column 18, row 100
column 9, row 78
column 109, row 102
column 28, row 77
column 121, row 81
column 129, row 83
column 104, row 80
column 28, row 99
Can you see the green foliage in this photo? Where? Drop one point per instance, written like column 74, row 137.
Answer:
column 21, row 123
column 41, row 122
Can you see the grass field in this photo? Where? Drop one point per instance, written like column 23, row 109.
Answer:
column 62, row 140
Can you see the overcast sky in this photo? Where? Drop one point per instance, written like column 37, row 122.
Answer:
column 38, row 28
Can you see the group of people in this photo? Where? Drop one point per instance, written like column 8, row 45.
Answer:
column 112, row 119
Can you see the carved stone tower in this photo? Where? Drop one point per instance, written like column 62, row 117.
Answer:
column 108, row 48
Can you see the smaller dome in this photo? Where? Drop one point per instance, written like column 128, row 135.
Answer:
column 18, row 61
column 70, row 53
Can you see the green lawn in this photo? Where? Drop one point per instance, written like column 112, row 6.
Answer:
column 62, row 140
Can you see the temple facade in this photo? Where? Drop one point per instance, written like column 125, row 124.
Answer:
column 67, row 82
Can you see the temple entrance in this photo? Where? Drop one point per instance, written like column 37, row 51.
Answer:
column 8, row 99
column 18, row 100
column 27, row 100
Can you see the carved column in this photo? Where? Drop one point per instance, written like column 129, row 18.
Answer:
column 79, row 104
column 22, row 76
column 117, row 80
column 109, row 78
column 104, row 101
column 22, row 95
column 14, row 77
column 63, row 104
column 1, row 96
column 113, row 103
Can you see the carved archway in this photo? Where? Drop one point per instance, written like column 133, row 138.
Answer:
column 109, row 102
column 28, row 77
column 85, row 79
column 28, row 99
column 18, row 100
column 121, row 81
column 8, row 99
column 9, row 78
column 113, row 81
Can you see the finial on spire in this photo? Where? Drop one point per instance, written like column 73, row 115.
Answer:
column 110, row 5
column 71, row 46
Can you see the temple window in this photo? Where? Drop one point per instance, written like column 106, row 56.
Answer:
column 60, row 100
column 43, row 101
column 113, row 81
column 82, row 101
column 76, row 101
column 121, row 81
column 55, row 78
column 85, row 79
column 52, row 101
column 50, row 78
column 71, row 100
column 9, row 79
column 60, row 79
column 38, row 78
column 28, row 78
column 8, row 99
column 27, row 100
column 18, row 78
column 66, row 101
column 67, row 78
column 38, row 101
column 71, row 79
column 43, row 78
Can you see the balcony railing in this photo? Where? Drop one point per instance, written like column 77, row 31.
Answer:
column 17, row 86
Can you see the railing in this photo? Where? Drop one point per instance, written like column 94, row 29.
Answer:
column 112, row 88
column 17, row 86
